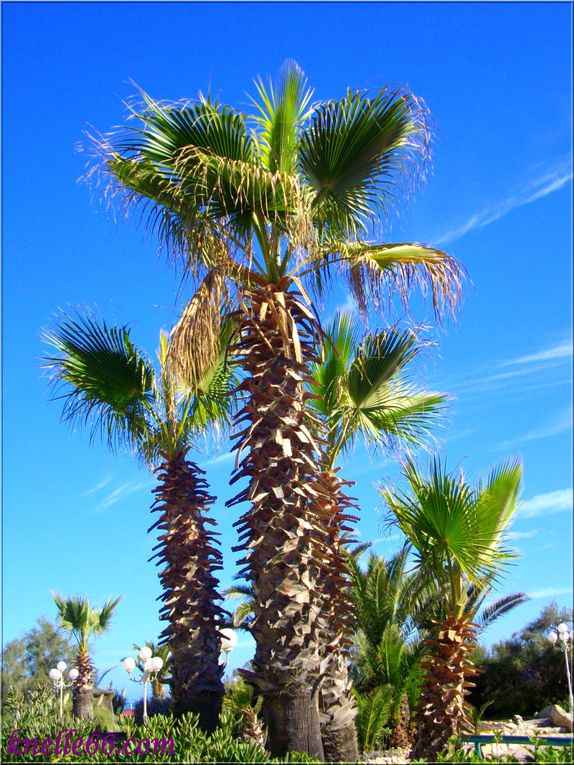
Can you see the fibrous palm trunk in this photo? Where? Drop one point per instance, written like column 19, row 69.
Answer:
column 402, row 733
column 187, row 549
column 83, row 690
column 285, row 539
column 337, row 704
column 443, row 711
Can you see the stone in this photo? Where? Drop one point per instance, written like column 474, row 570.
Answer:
column 544, row 713
column 561, row 718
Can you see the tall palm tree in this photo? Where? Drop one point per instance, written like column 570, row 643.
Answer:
column 78, row 617
column 457, row 534
column 362, row 390
column 109, row 383
column 258, row 205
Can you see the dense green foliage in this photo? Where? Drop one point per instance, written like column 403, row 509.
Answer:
column 37, row 718
column 525, row 673
column 27, row 660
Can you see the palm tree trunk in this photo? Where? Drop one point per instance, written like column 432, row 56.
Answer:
column 83, row 690
column 443, row 711
column 189, row 590
column 402, row 735
column 285, row 541
column 338, row 709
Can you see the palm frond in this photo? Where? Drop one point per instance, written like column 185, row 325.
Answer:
column 195, row 339
column 105, row 381
column 281, row 110
column 357, row 153
column 502, row 606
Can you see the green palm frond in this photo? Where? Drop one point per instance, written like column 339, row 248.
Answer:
column 354, row 153
column 281, row 111
column 243, row 613
column 105, row 381
column 449, row 525
column 501, row 606
column 362, row 389
column 78, row 617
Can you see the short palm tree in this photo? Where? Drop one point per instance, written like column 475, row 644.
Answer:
column 259, row 205
column 457, row 535
column 78, row 617
column 108, row 382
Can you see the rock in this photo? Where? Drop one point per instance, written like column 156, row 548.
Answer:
column 561, row 718
column 545, row 713
column 517, row 720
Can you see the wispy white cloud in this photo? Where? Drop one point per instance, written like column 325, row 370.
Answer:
column 561, row 350
column 123, row 491
column 220, row 459
column 348, row 306
column 554, row 427
column 549, row 592
column 547, row 182
column 547, row 504
column 98, row 487
column 523, row 534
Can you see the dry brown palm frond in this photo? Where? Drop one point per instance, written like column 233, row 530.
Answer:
column 195, row 339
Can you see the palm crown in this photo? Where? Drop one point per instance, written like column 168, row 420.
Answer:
column 112, row 385
column 456, row 531
column 362, row 388
column 291, row 190
column 83, row 621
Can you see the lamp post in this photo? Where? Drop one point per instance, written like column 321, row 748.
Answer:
column 56, row 675
column 228, row 642
column 148, row 666
column 562, row 635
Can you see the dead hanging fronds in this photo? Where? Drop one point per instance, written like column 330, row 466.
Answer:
column 195, row 339
column 376, row 274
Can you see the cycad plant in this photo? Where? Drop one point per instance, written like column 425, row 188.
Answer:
column 457, row 535
column 261, row 206
column 83, row 621
column 110, row 384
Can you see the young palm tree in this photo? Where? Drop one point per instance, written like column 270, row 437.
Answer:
column 83, row 621
column 258, row 205
column 457, row 534
column 107, row 381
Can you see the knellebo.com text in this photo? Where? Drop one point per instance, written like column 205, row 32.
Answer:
column 65, row 744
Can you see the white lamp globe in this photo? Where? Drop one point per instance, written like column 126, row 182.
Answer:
column 55, row 674
column 148, row 665
column 145, row 653
column 61, row 665
column 228, row 639
column 563, row 627
column 129, row 664
column 553, row 637
column 563, row 636
column 157, row 663
column 73, row 674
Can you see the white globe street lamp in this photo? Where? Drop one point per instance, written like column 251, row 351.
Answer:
column 148, row 666
column 56, row 675
column 228, row 642
column 562, row 635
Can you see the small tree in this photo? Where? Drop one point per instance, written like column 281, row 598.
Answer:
column 456, row 532
column 83, row 621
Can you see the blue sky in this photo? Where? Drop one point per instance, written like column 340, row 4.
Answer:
column 499, row 199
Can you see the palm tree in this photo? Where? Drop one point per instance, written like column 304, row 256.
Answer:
column 108, row 382
column 362, row 390
column 78, row 617
column 395, row 609
column 457, row 534
column 259, row 205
